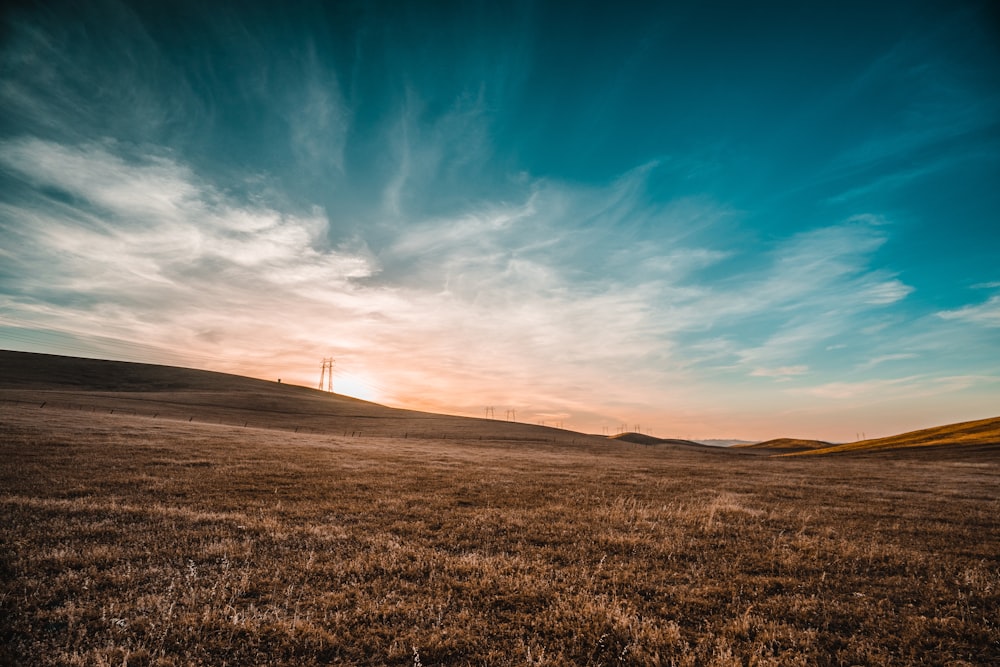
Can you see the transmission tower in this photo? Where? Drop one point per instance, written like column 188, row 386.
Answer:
column 326, row 376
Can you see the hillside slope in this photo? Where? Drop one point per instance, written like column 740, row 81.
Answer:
column 166, row 392
column 786, row 444
column 982, row 432
column 643, row 439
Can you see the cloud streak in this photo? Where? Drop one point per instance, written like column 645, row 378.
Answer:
column 985, row 314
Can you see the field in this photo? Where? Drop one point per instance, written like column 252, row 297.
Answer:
column 141, row 540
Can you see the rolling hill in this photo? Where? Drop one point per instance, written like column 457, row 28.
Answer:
column 643, row 439
column 982, row 434
column 786, row 444
column 171, row 393
column 166, row 392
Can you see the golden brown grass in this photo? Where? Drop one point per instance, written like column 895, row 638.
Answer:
column 147, row 518
column 982, row 432
column 132, row 540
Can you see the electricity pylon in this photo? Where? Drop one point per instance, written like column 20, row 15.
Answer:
column 328, row 377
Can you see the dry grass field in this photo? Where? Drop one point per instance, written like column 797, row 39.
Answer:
column 129, row 539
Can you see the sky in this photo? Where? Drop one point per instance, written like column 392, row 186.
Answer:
column 702, row 220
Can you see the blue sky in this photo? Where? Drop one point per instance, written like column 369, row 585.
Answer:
column 709, row 219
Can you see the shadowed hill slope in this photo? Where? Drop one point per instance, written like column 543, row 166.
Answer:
column 166, row 392
column 982, row 433
column 643, row 439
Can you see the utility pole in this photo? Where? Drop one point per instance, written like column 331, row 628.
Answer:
column 326, row 376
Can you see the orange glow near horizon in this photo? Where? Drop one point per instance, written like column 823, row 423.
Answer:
column 357, row 385
column 574, row 401
column 701, row 412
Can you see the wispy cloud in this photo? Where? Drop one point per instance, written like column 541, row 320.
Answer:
column 986, row 314
column 885, row 358
column 58, row 78
column 844, row 390
column 781, row 372
column 942, row 102
column 318, row 117
column 891, row 389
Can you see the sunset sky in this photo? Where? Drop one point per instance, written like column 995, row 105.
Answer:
column 713, row 220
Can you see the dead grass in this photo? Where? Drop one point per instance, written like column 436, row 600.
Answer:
column 128, row 540
column 982, row 433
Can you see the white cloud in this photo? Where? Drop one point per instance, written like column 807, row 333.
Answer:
column 150, row 212
column 886, row 292
column 157, row 188
column 986, row 314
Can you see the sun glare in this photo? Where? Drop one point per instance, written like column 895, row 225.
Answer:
column 357, row 385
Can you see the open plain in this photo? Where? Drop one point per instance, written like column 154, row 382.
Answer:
column 153, row 516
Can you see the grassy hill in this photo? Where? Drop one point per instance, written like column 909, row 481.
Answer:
column 166, row 392
column 786, row 444
column 644, row 439
column 982, row 433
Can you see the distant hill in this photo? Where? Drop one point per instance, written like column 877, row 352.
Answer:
column 643, row 439
column 787, row 443
column 724, row 442
column 982, row 433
